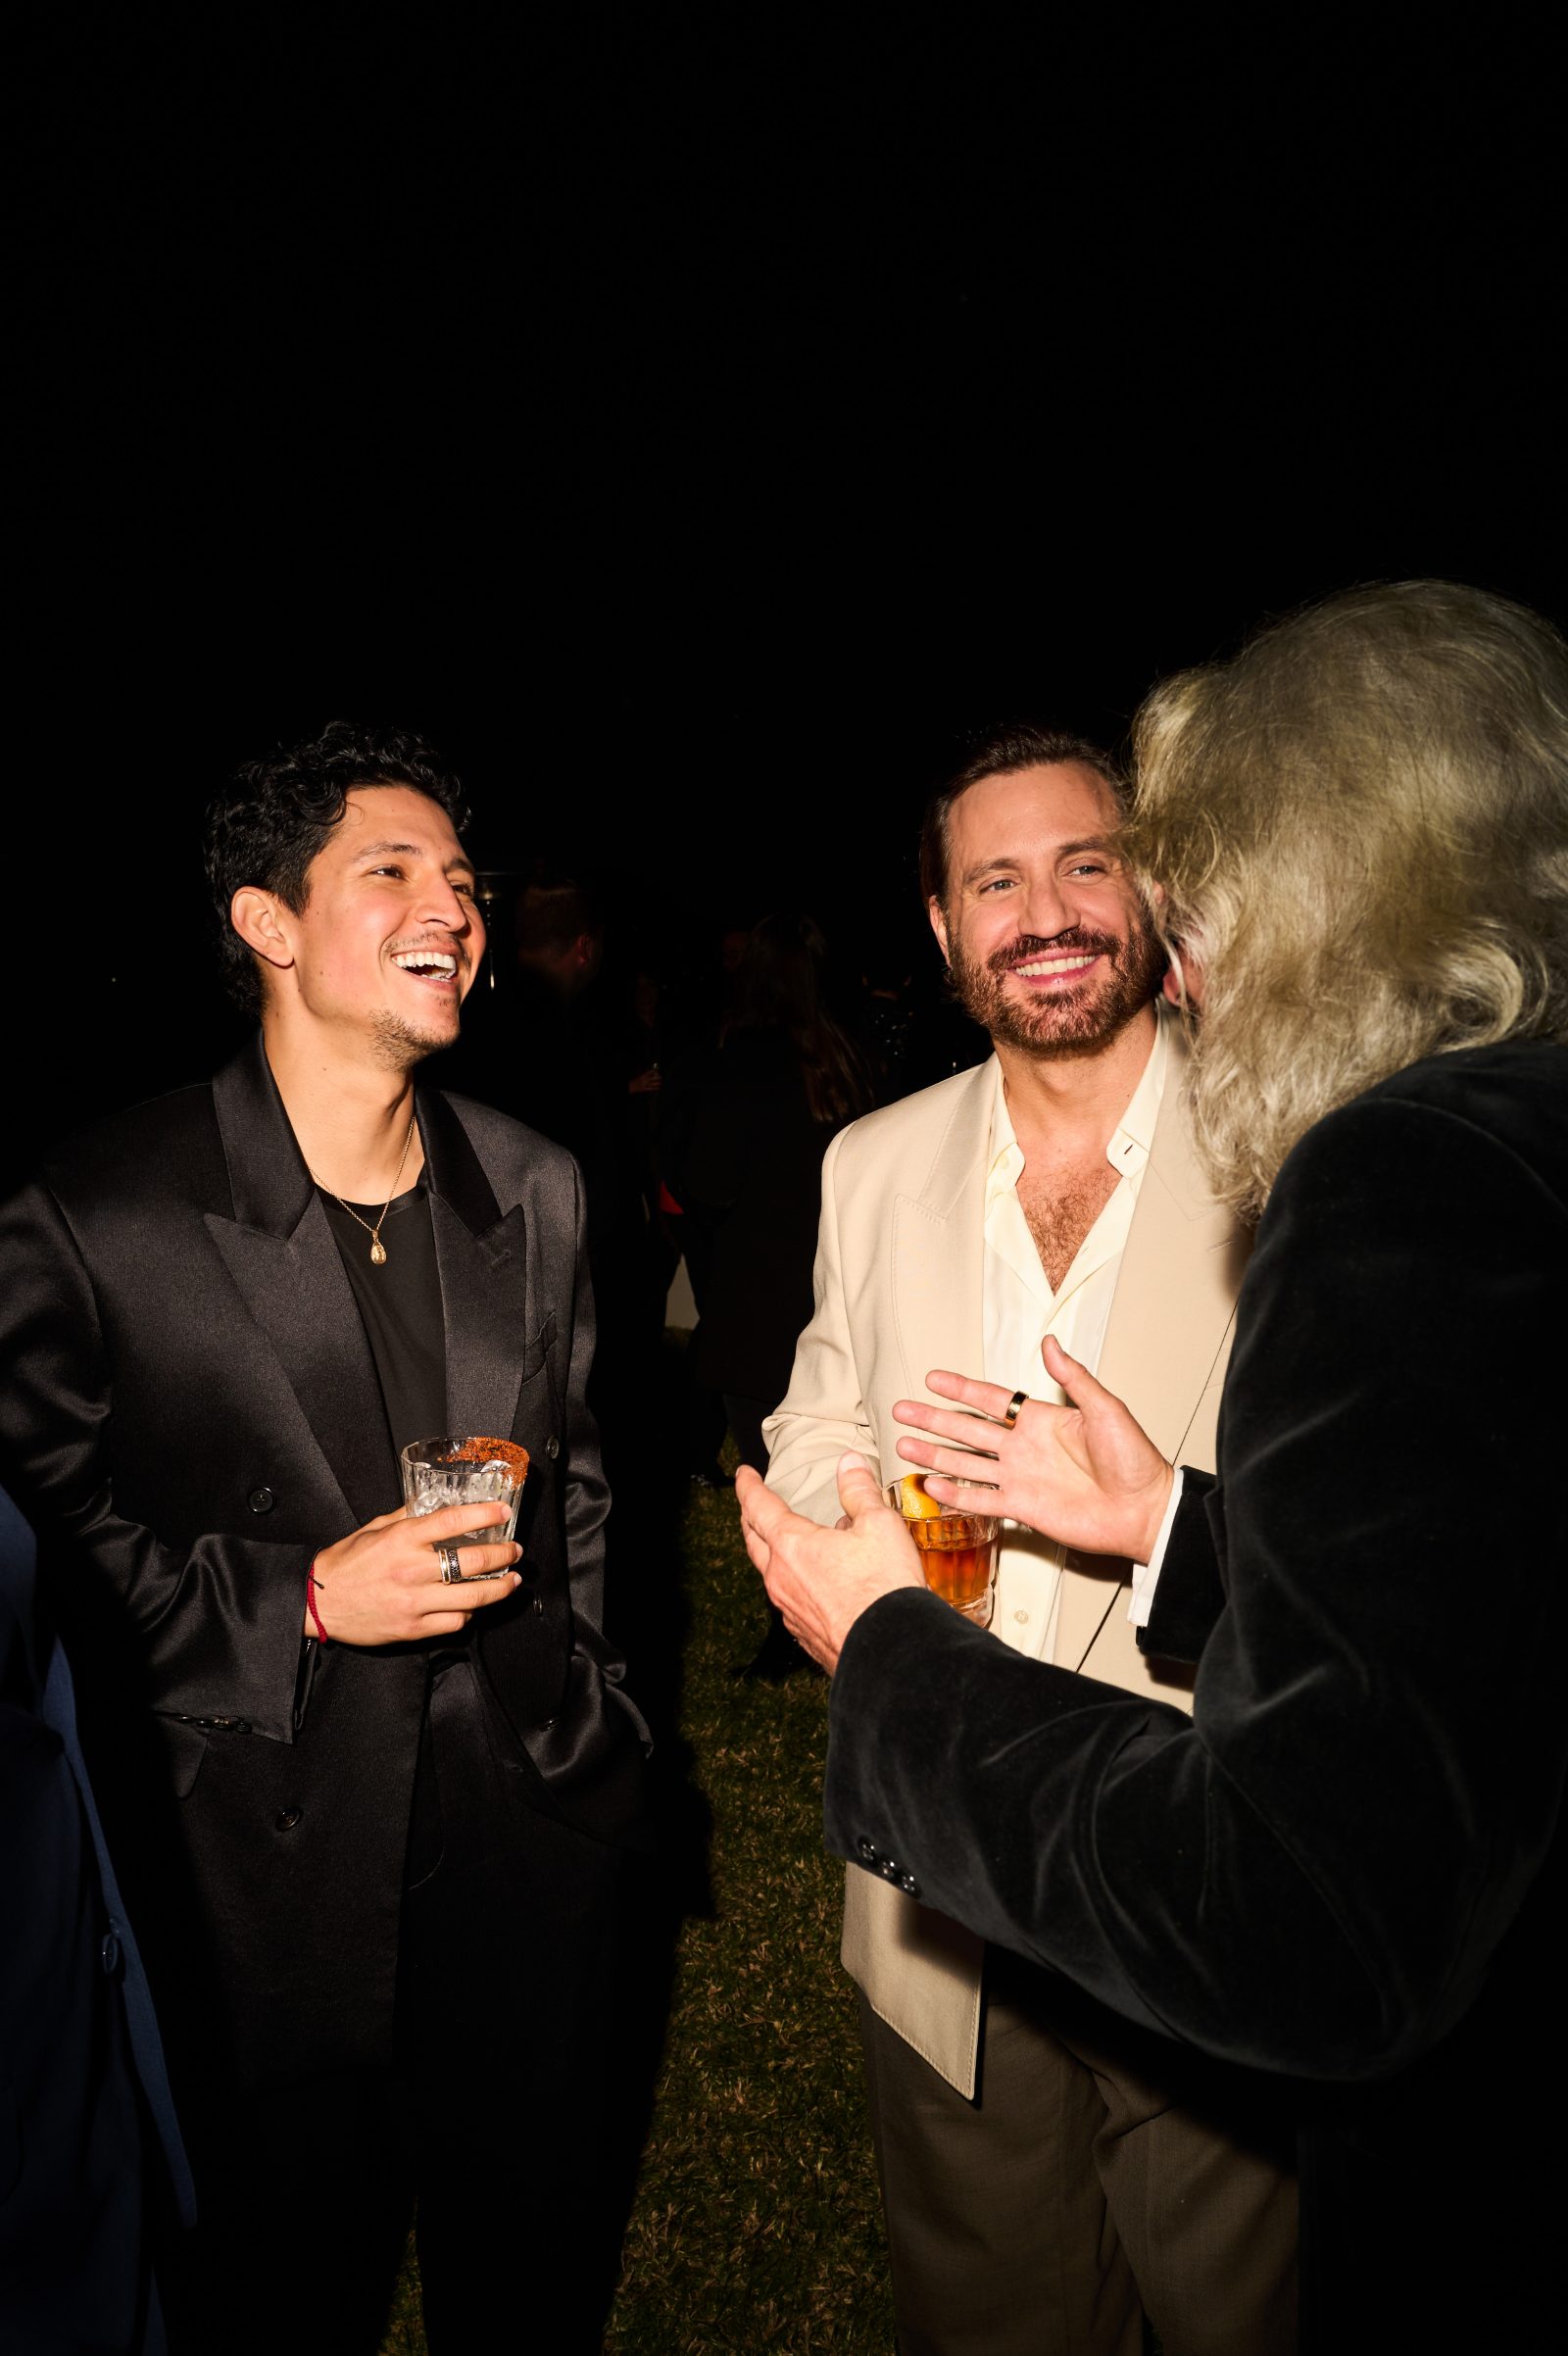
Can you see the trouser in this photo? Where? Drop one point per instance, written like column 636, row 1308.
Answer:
column 1074, row 2196
column 491, row 2120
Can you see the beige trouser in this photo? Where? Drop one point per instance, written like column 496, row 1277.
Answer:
column 1073, row 2197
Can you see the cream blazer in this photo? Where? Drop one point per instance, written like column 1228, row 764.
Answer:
column 898, row 1289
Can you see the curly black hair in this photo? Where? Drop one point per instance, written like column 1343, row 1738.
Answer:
column 275, row 816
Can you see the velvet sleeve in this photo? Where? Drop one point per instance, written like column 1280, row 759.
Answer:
column 1315, row 1873
column 1190, row 1594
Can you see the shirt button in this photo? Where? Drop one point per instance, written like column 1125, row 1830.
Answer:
column 1022, row 1618
column 287, row 1818
column 262, row 1500
column 551, row 1445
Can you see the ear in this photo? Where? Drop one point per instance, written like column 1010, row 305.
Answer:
column 939, row 925
column 256, row 917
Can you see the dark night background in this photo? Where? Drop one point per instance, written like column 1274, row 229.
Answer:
column 692, row 417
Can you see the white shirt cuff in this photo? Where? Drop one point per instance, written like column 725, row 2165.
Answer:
column 1146, row 1575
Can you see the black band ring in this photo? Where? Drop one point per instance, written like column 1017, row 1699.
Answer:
column 1019, row 1399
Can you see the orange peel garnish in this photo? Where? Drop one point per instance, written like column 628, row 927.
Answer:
column 916, row 1506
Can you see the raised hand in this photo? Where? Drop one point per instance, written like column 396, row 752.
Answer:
column 1088, row 1475
column 383, row 1584
column 822, row 1580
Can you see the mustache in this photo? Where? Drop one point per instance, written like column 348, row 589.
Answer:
column 446, row 945
column 1076, row 941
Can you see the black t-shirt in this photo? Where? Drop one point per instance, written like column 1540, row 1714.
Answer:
column 400, row 1307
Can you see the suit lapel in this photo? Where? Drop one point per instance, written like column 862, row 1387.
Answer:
column 280, row 1254
column 938, row 1244
column 482, row 1259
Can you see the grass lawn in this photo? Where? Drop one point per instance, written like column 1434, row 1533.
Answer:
column 756, row 2224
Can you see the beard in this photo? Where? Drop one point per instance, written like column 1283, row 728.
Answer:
column 400, row 1044
column 1075, row 1021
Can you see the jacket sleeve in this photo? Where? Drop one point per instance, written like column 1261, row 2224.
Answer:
column 218, row 1622
column 822, row 1412
column 587, row 1494
column 1189, row 1593
column 1319, row 1871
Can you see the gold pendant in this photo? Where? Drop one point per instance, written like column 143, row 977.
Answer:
column 378, row 1252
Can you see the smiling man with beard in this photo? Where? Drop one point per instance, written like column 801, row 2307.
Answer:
column 1049, row 2175
column 372, row 1820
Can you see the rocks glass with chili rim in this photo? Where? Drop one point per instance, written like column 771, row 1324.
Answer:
column 473, row 1471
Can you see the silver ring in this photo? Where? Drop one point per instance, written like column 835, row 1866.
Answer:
column 450, row 1563
column 1019, row 1399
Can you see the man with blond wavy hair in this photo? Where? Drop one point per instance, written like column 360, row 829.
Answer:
column 1346, row 1865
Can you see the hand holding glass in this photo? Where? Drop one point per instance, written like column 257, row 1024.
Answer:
column 467, row 1472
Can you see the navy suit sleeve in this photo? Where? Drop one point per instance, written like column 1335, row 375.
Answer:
column 1317, row 1873
column 76, row 2027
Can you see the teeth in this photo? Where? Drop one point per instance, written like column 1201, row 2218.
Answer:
column 416, row 960
column 1057, row 965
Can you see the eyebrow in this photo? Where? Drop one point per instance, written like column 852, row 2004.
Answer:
column 404, row 850
column 1010, row 858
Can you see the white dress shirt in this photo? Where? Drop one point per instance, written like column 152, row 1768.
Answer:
column 1020, row 1308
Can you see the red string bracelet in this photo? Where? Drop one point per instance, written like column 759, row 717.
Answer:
column 309, row 1602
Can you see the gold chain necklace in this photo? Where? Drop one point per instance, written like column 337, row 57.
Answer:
column 377, row 1247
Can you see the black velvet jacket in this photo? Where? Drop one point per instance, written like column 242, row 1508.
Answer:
column 1344, row 1866
column 191, row 1411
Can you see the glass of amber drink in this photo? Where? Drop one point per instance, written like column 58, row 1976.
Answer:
column 957, row 1550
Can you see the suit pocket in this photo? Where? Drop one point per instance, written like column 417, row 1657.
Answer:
column 538, row 1350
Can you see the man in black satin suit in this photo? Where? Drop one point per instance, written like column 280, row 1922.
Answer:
column 375, row 1823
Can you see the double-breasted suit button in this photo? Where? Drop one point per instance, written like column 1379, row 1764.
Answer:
column 552, row 1447
column 109, row 1950
column 287, row 1819
column 539, row 1605
column 867, row 1849
column 262, row 1500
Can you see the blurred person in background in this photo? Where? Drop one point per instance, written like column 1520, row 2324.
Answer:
column 784, row 1080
